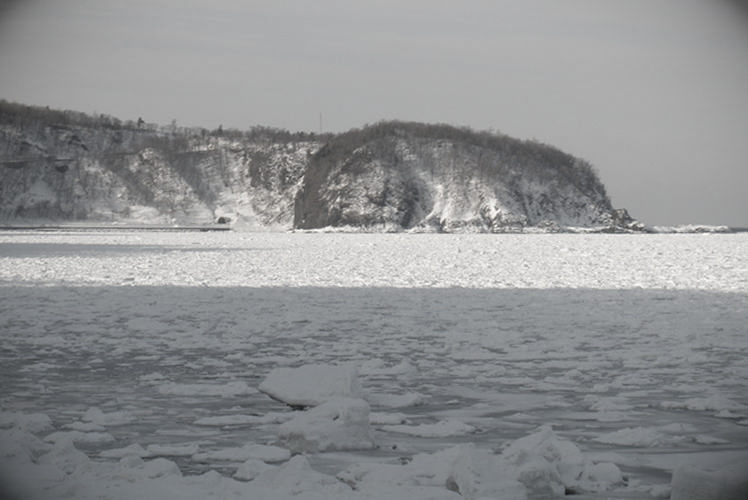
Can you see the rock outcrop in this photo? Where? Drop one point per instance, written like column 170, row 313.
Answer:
column 392, row 176
column 407, row 176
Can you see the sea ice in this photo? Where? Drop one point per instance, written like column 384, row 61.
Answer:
column 130, row 450
column 729, row 482
column 250, row 451
column 228, row 389
column 715, row 402
column 470, row 329
column 296, row 477
column 241, row 420
column 97, row 416
column 79, row 437
column 311, row 385
column 252, row 468
column 338, row 424
column 550, row 464
column 397, row 400
column 65, row 456
column 633, row 436
column 33, row 422
column 460, row 472
column 172, row 450
column 442, row 428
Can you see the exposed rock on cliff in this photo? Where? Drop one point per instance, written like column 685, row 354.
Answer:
column 408, row 176
column 391, row 176
column 69, row 166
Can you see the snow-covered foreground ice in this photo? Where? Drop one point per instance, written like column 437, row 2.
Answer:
column 503, row 366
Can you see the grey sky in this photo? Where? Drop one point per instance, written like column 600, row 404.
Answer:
column 653, row 92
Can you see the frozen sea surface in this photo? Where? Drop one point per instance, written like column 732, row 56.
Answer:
column 633, row 347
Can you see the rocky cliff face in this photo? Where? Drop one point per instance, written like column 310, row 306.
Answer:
column 391, row 176
column 62, row 169
column 399, row 176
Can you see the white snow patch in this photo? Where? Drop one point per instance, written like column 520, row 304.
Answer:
column 549, row 464
column 252, row 468
column 311, row 385
column 296, row 477
column 338, row 424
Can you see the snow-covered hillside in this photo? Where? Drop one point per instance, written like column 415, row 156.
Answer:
column 390, row 176
column 74, row 171
column 439, row 178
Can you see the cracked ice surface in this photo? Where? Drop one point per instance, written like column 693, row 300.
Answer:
column 148, row 349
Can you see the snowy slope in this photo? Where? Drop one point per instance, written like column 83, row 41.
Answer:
column 390, row 176
column 406, row 176
column 152, row 178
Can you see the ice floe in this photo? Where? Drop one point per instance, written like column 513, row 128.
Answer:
column 338, row 424
column 457, row 349
column 311, row 385
column 247, row 452
column 234, row 388
column 442, row 428
column 728, row 482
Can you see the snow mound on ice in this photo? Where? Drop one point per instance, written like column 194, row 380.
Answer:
column 549, row 464
column 65, row 456
column 251, row 468
column 296, row 477
column 33, row 422
column 339, row 424
column 462, row 471
column 312, row 385
column 730, row 482
column 135, row 468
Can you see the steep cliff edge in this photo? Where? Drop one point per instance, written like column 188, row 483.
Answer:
column 69, row 166
column 409, row 176
column 393, row 176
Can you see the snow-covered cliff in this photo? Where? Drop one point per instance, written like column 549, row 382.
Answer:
column 391, row 176
column 407, row 176
column 62, row 168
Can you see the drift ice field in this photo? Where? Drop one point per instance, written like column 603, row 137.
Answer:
column 401, row 366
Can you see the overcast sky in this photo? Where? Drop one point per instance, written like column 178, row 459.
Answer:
column 654, row 93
